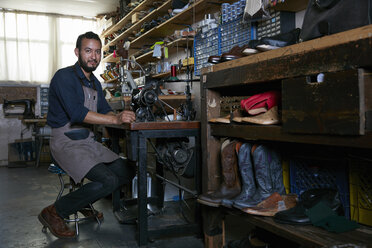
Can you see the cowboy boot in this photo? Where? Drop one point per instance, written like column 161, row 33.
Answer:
column 267, row 167
column 230, row 186
column 57, row 226
column 273, row 204
column 247, row 177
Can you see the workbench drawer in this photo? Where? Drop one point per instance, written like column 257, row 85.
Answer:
column 340, row 104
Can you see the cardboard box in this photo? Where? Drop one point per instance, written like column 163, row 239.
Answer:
column 189, row 61
column 135, row 17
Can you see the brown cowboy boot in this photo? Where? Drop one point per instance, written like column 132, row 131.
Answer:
column 57, row 226
column 273, row 204
column 230, row 186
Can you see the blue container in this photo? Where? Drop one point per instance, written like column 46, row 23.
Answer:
column 308, row 174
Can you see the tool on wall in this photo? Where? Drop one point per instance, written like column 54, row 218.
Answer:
column 12, row 108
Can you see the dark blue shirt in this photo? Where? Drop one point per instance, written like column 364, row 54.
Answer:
column 66, row 97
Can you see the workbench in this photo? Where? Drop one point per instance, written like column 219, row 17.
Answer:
column 136, row 135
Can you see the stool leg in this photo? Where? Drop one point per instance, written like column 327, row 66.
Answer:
column 76, row 224
column 95, row 215
column 62, row 186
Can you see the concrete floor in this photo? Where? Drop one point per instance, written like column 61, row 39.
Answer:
column 24, row 192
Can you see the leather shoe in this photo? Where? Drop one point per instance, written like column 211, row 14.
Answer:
column 234, row 53
column 57, row 226
column 214, row 59
column 309, row 199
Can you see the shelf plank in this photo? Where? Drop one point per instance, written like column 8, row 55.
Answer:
column 145, row 4
column 165, row 74
column 275, row 133
column 160, row 125
column 341, row 51
column 311, row 236
column 163, row 9
column 110, row 58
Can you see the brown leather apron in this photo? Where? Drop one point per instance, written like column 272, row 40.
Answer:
column 77, row 157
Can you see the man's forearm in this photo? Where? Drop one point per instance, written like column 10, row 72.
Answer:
column 96, row 118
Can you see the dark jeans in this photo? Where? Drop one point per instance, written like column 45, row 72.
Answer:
column 105, row 178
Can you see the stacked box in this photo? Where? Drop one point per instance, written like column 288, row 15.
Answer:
column 280, row 22
column 308, row 174
column 361, row 191
column 231, row 12
column 205, row 45
column 44, row 91
column 234, row 33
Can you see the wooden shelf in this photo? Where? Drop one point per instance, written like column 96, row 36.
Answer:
column 311, row 236
column 163, row 9
column 172, row 47
column 165, row 74
column 110, row 59
column 111, row 81
column 142, row 6
column 283, row 62
column 187, row 17
column 346, row 51
column 275, row 133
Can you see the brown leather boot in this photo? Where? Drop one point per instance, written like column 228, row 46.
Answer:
column 57, row 226
column 273, row 204
column 231, row 185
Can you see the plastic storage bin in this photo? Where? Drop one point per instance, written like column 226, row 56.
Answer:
column 308, row 174
column 361, row 191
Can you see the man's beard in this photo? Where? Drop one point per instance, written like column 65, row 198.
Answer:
column 86, row 67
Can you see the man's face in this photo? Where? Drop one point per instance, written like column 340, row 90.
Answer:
column 89, row 54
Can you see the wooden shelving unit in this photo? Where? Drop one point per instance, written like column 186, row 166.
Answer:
column 136, row 26
column 142, row 6
column 172, row 48
column 336, row 53
column 194, row 13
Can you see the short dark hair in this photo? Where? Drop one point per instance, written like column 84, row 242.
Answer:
column 87, row 35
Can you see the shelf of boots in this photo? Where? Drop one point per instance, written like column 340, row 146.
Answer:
column 160, row 11
column 275, row 133
column 172, row 47
column 193, row 14
column 128, row 17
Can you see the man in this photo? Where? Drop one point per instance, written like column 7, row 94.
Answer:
column 75, row 102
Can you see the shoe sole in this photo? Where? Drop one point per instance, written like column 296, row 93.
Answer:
column 46, row 224
column 211, row 204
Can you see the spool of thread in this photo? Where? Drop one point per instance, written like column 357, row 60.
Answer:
column 173, row 71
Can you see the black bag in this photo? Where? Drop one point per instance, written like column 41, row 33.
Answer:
column 324, row 17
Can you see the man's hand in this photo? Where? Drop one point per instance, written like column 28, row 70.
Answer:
column 126, row 116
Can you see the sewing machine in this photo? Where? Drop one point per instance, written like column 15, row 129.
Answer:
column 13, row 108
